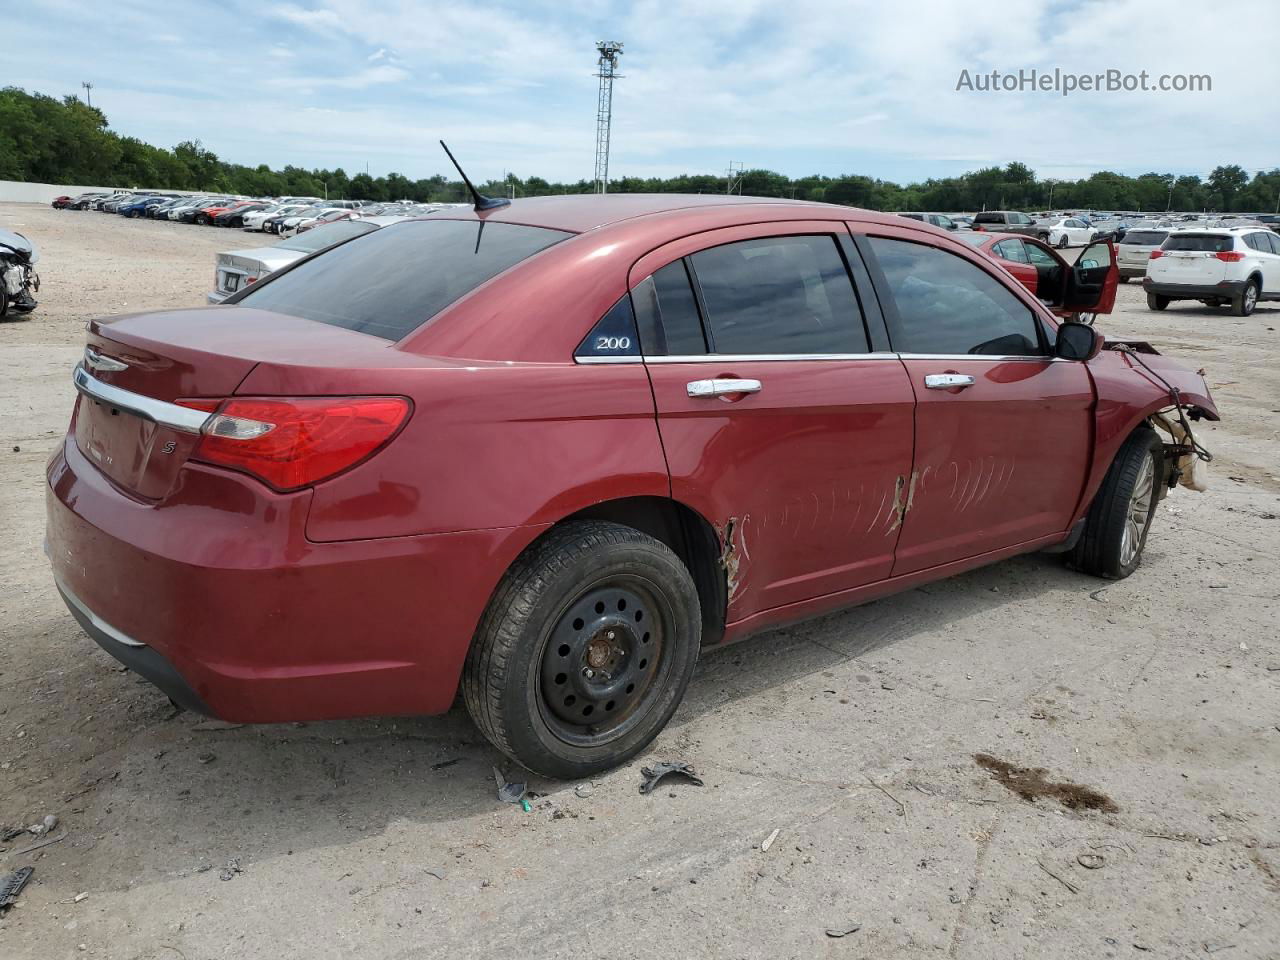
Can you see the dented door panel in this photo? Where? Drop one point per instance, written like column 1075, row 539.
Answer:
column 997, row 463
column 804, row 480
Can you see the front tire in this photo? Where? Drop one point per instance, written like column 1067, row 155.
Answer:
column 1119, row 519
column 584, row 651
column 1062, row 242
column 1156, row 302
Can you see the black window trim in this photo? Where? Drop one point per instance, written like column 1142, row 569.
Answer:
column 892, row 319
column 872, row 320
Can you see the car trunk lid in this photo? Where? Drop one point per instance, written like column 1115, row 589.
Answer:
column 138, row 413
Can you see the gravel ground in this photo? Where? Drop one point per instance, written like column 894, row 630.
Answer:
column 1152, row 704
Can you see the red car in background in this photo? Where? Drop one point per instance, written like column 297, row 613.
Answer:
column 545, row 452
column 60, row 203
column 206, row 215
column 1044, row 271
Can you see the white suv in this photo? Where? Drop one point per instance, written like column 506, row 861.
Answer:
column 1217, row 266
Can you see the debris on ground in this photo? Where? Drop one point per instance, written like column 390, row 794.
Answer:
column 1091, row 861
column 11, row 885
column 653, row 775
column 43, row 843
column 207, row 757
column 1066, row 883
column 44, row 826
column 212, row 724
column 511, row 792
column 445, row 763
column 583, row 790
column 231, row 869
column 838, row 932
column 768, row 841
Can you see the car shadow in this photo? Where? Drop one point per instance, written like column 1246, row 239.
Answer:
column 216, row 791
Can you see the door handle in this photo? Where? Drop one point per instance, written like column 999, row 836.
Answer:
column 947, row 381
column 722, row 385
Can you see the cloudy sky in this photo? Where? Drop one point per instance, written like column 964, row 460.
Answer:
column 798, row 87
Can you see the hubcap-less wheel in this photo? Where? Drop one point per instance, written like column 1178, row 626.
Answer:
column 602, row 659
column 1138, row 514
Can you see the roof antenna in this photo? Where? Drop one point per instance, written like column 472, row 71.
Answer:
column 482, row 202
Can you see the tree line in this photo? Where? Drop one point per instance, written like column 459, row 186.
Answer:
column 47, row 140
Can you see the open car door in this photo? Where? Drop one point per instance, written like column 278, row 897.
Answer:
column 1090, row 284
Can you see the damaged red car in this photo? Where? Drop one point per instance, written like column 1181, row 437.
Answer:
column 546, row 452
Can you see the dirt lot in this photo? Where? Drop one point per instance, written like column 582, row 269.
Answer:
column 854, row 737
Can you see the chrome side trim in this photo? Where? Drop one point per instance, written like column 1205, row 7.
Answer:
column 95, row 360
column 183, row 419
column 766, row 357
column 772, row 357
column 96, row 620
column 977, row 356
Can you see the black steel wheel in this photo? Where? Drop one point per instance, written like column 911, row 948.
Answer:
column 602, row 658
column 585, row 649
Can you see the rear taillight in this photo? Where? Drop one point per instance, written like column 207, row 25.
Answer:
column 1230, row 256
column 1157, row 254
column 293, row 443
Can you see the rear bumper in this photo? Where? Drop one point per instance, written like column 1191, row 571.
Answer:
column 224, row 604
column 1130, row 271
column 138, row 657
column 216, row 296
column 1193, row 291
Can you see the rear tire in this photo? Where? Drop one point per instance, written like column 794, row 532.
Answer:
column 1157, row 302
column 1243, row 305
column 1119, row 519
column 1124, row 279
column 584, row 651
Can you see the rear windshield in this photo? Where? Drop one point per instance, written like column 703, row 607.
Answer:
column 1145, row 238
column 1202, row 242
column 327, row 235
column 989, row 218
column 393, row 280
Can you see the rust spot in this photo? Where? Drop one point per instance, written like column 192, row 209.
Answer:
column 730, row 559
column 1030, row 784
column 901, row 504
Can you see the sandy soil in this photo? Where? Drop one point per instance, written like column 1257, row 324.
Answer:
column 854, row 737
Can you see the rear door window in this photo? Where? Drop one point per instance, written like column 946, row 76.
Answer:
column 779, row 295
column 390, row 282
column 946, row 305
column 1199, row 243
column 1012, row 250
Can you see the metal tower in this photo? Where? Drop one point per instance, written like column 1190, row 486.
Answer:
column 609, row 51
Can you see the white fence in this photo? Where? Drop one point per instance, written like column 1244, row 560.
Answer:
column 16, row 191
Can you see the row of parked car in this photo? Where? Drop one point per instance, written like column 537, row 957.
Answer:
column 285, row 216
column 1221, row 262
column 1064, row 230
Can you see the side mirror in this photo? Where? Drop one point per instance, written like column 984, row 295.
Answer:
column 1077, row 341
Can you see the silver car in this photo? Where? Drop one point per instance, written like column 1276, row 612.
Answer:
column 236, row 270
column 1134, row 251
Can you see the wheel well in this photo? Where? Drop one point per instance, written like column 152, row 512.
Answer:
column 688, row 534
column 1256, row 276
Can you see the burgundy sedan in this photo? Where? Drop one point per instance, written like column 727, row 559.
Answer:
column 545, row 453
column 1041, row 269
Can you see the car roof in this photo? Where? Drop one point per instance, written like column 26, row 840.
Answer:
column 578, row 213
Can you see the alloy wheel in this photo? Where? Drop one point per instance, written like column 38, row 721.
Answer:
column 1138, row 512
